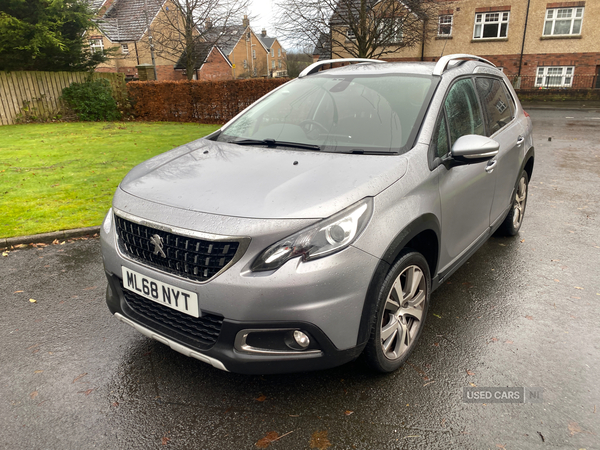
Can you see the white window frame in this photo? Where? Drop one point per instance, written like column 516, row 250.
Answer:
column 125, row 49
column 272, row 53
column 445, row 20
column 350, row 34
column 554, row 76
column 491, row 18
column 395, row 25
column 279, row 52
column 573, row 15
column 96, row 45
column 253, row 54
column 272, row 64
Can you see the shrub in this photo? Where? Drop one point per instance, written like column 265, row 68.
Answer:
column 92, row 100
column 196, row 101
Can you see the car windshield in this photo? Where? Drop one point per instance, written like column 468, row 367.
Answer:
column 351, row 114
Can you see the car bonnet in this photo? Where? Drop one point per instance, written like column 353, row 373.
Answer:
column 253, row 182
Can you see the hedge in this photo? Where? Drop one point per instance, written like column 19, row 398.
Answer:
column 196, row 101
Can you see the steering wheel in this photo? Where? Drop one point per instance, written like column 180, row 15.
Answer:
column 304, row 124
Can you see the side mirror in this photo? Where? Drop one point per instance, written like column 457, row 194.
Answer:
column 473, row 147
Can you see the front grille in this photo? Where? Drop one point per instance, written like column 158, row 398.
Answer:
column 200, row 333
column 191, row 258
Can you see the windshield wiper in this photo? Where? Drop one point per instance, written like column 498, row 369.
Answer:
column 371, row 152
column 272, row 143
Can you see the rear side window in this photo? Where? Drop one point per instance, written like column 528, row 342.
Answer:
column 497, row 104
column 463, row 110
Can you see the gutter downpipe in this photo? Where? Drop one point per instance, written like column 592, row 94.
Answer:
column 523, row 44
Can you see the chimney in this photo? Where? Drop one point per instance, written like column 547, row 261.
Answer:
column 246, row 22
column 264, row 33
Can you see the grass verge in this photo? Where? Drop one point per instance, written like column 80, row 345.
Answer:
column 62, row 176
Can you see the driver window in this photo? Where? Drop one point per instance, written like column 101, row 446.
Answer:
column 463, row 111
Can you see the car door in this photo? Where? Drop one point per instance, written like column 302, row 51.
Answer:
column 466, row 190
column 502, row 127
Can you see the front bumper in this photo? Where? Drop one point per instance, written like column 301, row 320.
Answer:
column 223, row 355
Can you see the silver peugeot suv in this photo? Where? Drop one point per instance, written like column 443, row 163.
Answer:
column 314, row 226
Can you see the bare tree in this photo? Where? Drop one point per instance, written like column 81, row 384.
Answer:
column 357, row 28
column 185, row 29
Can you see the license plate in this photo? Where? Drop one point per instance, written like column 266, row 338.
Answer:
column 159, row 292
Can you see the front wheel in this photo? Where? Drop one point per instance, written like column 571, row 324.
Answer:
column 402, row 302
column 514, row 219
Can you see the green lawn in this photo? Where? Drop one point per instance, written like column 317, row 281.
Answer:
column 62, row 176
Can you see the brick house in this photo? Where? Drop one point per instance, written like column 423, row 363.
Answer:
column 211, row 63
column 121, row 24
column 276, row 58
column 250, row 55
column 547, row 44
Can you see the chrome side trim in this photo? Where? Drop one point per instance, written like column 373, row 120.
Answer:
column 315, row 66
column 244, row 242
column 241, row 346
column 443, row 62
column 174, row 345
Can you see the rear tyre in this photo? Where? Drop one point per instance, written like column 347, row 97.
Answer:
column 514, row 219
column 402, row 302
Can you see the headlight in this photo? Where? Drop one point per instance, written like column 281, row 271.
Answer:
column 321, row 239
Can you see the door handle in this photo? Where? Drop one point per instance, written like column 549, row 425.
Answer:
column 490, row 166
column 520, row 140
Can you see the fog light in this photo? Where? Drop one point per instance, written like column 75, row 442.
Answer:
column 301, row 339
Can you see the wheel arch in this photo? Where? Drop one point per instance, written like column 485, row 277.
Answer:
column 421, row 235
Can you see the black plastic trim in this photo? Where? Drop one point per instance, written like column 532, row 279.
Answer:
column 423, row 223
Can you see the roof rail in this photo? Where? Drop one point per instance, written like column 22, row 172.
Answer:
column 445, row 60
column 315, row 66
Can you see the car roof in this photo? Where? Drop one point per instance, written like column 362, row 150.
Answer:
column 443, row 67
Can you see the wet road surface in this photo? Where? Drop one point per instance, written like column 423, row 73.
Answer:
column 523, row 312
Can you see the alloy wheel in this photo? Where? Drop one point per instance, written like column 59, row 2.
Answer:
column 403, row 313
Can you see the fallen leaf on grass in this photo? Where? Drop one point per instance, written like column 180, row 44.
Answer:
column 529, row 317
column 55, row 242
column 165, row 440
column 580, row 288
column 508, row 342
column 262, row 398
column 473, row 384
column 494, row 339
column 88, row 392
column 319, row 440
column 79, row 377
column 500, row 446
column 470, row 373
column 439, row 317
column 115, row 404
column 558, row 281
column 33, row 395
column 522, row 240
column 436, row 344
column 17, row 292
column 32, row 300
column 348, row 412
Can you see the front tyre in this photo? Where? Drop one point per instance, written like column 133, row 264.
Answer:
column 402, row 302
column 514, row 219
